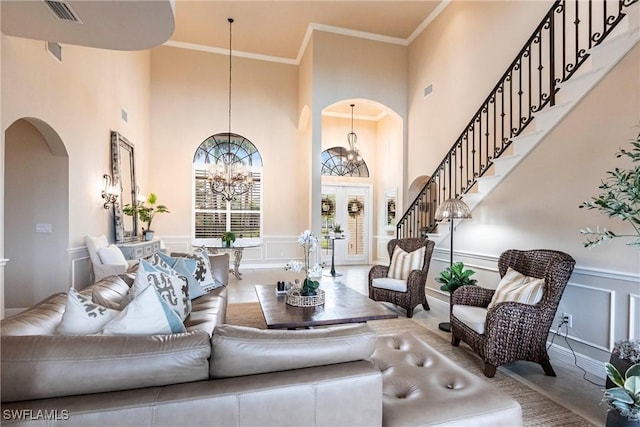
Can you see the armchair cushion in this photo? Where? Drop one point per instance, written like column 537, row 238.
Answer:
column 474, row 317
column 403, row 262
column 390, row 284
column 517, row 287
column 112, row 255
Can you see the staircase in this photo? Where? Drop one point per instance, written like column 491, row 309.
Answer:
column 575, row 45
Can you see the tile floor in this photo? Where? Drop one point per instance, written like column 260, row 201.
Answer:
column 568, row 388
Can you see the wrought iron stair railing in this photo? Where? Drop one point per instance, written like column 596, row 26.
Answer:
column 554, row 52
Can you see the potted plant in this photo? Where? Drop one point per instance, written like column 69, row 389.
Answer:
column 451, row 279
column 620, row 198
column 228, row 238
column 624, row 399
column 337, row 230
column 146, row 213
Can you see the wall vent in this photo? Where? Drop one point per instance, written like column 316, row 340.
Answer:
column 124, row 115
column 62, row 10
column 54, row 49
column 428, row 90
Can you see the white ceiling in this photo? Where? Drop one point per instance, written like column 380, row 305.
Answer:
column 274, row 30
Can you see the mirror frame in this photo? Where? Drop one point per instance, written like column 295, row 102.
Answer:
column 390, row 198
column 120, row 147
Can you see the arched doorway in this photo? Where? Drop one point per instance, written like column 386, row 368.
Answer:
column 36, row 213
column 380, row 138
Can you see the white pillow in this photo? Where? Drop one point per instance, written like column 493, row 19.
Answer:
column 82, row 316
column 112, row 255
column 173, row 289
column 146, row 314
column 402, row 262
column 517, row 287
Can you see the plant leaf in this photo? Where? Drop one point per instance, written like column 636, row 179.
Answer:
column 619, row 394
column 614, row 375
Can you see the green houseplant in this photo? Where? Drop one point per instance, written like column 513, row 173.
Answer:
column 455, row 276
column 620, row 199
column 624, row 399
column 228, row 238
column 146, row 212
column 451, row 279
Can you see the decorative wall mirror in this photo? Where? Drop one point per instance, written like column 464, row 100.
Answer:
column 390, row 206
column 123, row 173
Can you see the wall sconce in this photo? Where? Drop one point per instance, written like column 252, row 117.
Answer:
column 110, row 192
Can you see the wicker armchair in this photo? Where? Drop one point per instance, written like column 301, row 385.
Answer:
column 415, row 283
column 515, row 331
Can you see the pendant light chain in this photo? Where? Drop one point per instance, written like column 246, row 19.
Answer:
column 230, row 56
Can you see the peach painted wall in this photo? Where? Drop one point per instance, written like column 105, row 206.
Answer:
column 189, row 103
column 462, row 54
column 81, row 100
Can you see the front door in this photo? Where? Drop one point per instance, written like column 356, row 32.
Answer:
column 350, row 207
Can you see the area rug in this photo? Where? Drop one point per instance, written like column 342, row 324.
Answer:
column 537, row 410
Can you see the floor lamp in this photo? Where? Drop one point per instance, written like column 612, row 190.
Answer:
column 450, row 210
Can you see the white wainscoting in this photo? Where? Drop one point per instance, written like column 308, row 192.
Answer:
column 605, row 306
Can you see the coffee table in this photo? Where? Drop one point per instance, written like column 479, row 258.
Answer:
column 342, row 305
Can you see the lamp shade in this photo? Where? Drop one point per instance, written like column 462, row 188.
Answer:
column 452, row 209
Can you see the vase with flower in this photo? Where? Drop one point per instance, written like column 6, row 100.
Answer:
column 307, row 293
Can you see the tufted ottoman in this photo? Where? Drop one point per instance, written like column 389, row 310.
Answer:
column 422, row 387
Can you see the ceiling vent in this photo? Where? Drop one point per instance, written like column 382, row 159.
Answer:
column 62, row 10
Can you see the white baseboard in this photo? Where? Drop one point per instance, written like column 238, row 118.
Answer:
column 592, row 366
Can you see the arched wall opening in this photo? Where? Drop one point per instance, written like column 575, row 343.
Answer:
column 36, row 213
column 380, row 140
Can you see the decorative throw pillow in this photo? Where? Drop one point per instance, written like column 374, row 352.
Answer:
column 402, row 262
column 112, row 255
column 173, row 289
column 185, row 268
column 146, row 314
column 82, row 316
column 517, row 287
column 203, row 272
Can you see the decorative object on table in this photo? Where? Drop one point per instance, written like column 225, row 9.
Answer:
column 146, row 213
column 451, row 279
column 620, row 199
column 306, row 294
column 228, row 238
column 337, row 230
column 624, row 399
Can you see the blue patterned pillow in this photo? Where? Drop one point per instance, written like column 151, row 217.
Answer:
column 147, row 314
column 173, row 289
column 185, row 268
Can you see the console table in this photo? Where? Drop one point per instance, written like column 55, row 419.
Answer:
column 142, row 249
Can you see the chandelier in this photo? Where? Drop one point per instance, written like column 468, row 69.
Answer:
column 229, row 177
column 353, row 153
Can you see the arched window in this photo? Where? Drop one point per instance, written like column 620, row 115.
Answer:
column 335, row 163
column 215, row 213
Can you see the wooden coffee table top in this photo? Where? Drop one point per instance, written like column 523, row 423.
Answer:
column 342, row 305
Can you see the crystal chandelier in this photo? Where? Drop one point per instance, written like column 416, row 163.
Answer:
column 229, row 177
column 353, row 154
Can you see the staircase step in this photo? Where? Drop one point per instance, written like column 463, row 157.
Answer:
column 522, row 144
column 504, row 164
column 548, row 117
column 611, row 50
column 578, row 85
column 486, row 183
